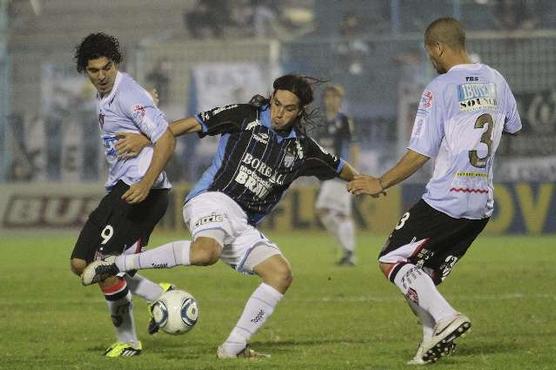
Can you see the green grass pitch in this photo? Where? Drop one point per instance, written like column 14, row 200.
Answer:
column 332, row 317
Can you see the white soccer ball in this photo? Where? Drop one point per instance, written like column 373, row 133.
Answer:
column 175, row 312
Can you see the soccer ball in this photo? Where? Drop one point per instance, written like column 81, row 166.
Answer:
column 175, row 312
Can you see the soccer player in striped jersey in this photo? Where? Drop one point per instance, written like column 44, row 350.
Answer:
column 137, row 188
column 460, row 121
column 263, row 148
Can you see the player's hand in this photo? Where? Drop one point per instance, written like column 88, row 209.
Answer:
column 137, row 192
column 366, row 185
column 130, row 144
column 154, row 94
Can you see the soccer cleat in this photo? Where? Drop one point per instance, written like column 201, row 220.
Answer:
column 121, row 349
column 244, row 353
column 346, row 260
column 99, row 270
column 153, row 327
column 445, row 332
column 418, row 358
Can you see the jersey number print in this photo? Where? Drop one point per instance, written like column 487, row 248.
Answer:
column 476, row 161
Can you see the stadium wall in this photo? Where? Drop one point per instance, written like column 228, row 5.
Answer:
column 521, row 208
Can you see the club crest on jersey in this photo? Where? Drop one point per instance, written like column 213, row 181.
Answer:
column 289, row 158
column 139, row 109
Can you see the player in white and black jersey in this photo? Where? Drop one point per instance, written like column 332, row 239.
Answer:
column 263, row 148
column 460, row 120
column 137, row 188
column 333, row 204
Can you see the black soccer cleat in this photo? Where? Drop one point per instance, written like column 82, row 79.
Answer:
column 99, row 270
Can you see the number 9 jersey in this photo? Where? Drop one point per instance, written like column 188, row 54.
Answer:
column 459, row 122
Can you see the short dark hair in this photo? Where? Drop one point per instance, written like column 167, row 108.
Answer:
column 447, row 30
column 97, row 45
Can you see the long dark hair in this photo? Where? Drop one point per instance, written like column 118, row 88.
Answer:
column 302, row 87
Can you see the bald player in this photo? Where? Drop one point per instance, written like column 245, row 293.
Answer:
column 459, row 123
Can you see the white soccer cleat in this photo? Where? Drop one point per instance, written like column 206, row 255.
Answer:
column 247, row 352
column 418, row 358
column 99, row 270
column 445, row 332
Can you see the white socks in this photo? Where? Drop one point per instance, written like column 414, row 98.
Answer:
column 419, row 288
column 141, row 286
column 346, row 235
column 259, row 307
column 166, row 256
column 118, row 298
column 342, row 228
column 425, row 318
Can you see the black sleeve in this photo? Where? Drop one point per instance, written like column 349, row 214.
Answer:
column 229, row 118
column 320, row 163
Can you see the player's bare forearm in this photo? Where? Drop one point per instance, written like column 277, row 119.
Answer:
column 185, row 126
column 376, row 187
column 163, row 150
column 355, row 154
column 407, row 166
column 348, row 172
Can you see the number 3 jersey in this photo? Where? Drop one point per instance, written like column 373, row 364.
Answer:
column 254, row 165
column 459, row 122
column 129, row 108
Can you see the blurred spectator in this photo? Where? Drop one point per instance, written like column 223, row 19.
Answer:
column 208, row 18
column 158, row 78
column 514, row 15
column 264, row 17
column 352, row 49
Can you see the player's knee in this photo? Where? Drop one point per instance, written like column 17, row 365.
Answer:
column 205, row 252
column 284, row 275
column 386, row 268
column 276, row 273
column 77, row 265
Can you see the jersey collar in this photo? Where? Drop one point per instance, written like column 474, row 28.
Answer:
column 473, row 67
column 265, row 119
column 119, row 76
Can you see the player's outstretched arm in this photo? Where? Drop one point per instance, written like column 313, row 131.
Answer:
column 348, row 173
column 163, row 150
column 130, row 144
column 374, row 186
column 185, row 126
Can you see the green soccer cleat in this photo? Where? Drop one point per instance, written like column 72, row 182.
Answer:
column 121, row 349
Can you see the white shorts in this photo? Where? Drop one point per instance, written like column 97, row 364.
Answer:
column 244, row 246
column 333, row 195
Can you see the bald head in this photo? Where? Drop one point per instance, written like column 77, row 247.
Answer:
column 447, row 31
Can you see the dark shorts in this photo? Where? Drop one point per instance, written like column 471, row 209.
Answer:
column 431, row 239
column 115, row 226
